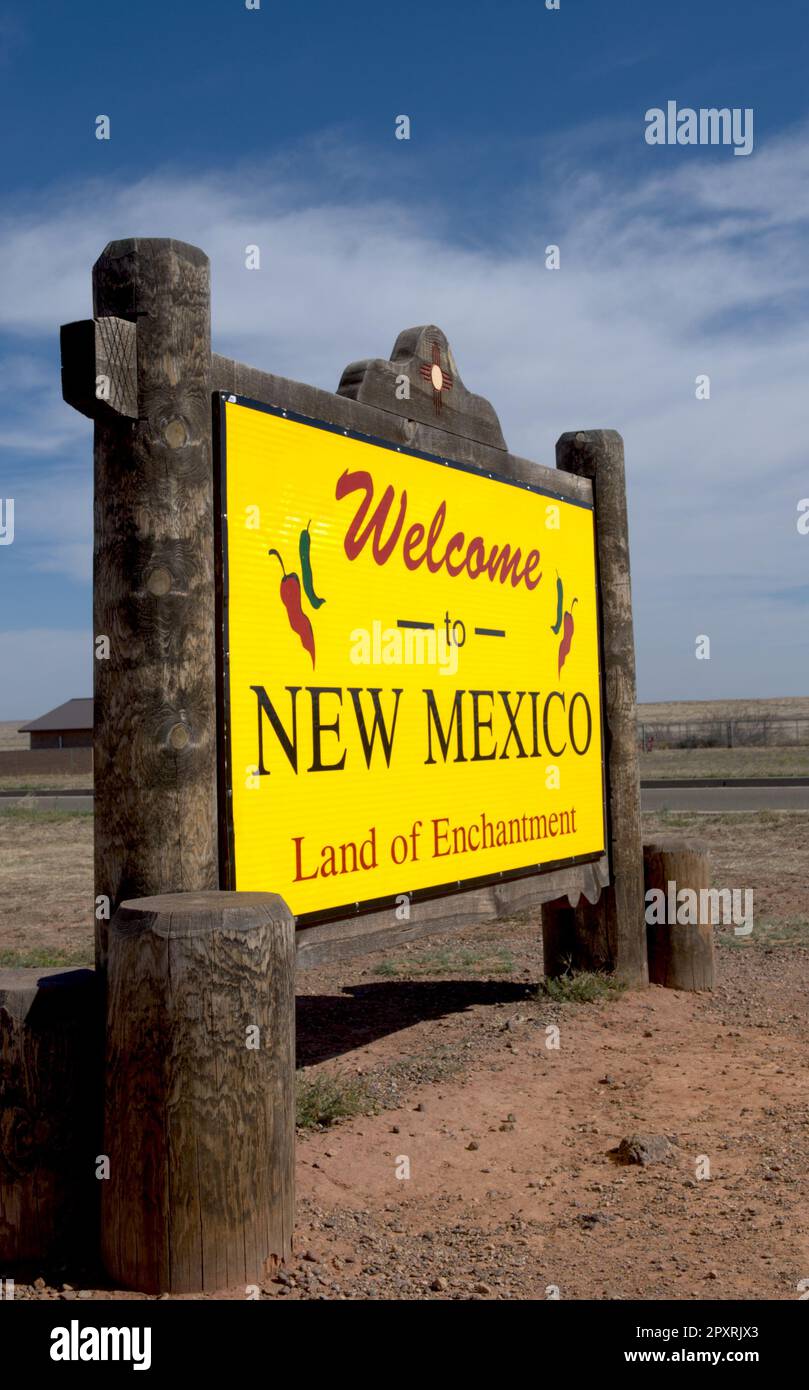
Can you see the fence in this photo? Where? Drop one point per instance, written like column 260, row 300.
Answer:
column 45, row 762
column 745, row 732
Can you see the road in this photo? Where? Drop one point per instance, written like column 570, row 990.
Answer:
column 771, row 797
column 758, row 795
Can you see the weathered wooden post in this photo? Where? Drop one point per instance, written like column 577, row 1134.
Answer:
column 610, row 934
column 50, row 1085
column 141, row 371
column 199, row 1124
column 681, row 954
column 200, row 1091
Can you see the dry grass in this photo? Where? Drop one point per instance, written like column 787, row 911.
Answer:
column 767, row 851
column 46, row 878
column 9, row 738
column 48, row 782
column 725, row 762
column 46, row 886
column 674, row 711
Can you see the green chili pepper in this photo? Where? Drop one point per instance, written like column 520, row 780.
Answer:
column 559, row 608
column 306, row 568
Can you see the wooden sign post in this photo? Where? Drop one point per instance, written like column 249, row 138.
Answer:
column 141, row 371
column 608, row 934
column 144, row 371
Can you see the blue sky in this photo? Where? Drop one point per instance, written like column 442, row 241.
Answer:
column 276, row 127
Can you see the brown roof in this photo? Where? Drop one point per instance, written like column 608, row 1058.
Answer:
column 73, row 714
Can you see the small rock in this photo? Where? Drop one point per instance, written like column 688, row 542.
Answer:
column 439, row 1285
column 472, row 1146
column 483, row 1288
column 643, row 1149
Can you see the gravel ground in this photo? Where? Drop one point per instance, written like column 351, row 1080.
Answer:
column 478, row 1159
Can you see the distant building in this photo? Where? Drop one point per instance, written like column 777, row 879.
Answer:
column 68, row 726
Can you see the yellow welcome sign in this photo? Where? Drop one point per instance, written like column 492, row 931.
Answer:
column 411, row 670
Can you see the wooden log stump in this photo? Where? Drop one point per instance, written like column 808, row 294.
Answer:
column 199, row 1119
column 575, row 938
column 50, row 1115
column 680, row 943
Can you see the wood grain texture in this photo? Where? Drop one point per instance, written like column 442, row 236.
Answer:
column 50, row 1115
column 155, row 731
column 377, row 931
column 415, row 353
column 681, row 956
column 235, row 377
column 100, row 355
column 614, row 927
column 199, row 1127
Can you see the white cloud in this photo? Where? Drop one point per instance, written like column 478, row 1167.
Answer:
column 694, row 268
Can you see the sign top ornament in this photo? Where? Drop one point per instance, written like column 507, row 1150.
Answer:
column 424, row 359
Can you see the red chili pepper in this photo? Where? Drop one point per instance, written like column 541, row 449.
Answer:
column 291, row 598
column 567, row 637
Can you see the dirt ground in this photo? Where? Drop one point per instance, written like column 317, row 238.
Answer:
column 514, row 1191
column 475, row 1158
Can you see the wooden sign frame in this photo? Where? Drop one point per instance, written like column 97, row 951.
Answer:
column 142, row 368
column 228, row 875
